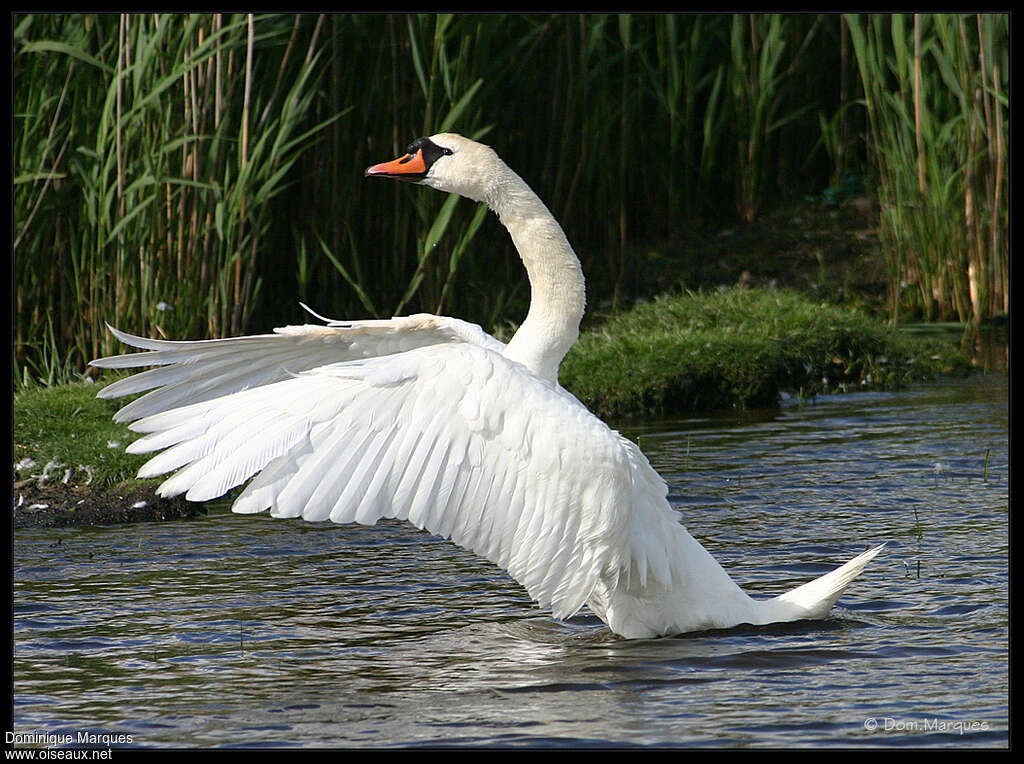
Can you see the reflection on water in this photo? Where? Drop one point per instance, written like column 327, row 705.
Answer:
column 987, row 348
column 239, row 630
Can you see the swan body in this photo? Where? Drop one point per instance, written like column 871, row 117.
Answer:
column 430, row 420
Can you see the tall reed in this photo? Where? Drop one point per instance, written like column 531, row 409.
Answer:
column 761, row 46
column 149, row 199
column 936, row 91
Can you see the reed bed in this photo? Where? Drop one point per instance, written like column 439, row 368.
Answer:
column 936, row 88
column 198, row 175
column 145, row 184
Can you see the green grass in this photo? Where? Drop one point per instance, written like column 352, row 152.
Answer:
column 68, row 426
column 740, row 348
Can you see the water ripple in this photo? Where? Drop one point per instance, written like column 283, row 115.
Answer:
column 246, row 631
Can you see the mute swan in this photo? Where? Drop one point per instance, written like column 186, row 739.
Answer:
column 429, row 419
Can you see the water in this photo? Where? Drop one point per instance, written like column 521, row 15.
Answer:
column 248, row 631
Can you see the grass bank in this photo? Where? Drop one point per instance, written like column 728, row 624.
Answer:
column 70, row 467
column 66, row 432
column 741, row 348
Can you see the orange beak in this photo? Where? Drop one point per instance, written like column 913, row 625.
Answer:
column 410, row 164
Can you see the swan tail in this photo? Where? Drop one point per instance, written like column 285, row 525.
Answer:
column 816, row 598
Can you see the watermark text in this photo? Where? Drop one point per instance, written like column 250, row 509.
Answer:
column 955, row 726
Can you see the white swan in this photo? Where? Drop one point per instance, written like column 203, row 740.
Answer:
column 431, row 420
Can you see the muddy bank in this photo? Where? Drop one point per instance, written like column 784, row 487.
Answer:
column 59, row 505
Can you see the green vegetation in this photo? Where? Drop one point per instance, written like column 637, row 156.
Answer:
column 740, row 348
column 65, row 427
column 196, row 175
column 147, row 166
column 936, row 91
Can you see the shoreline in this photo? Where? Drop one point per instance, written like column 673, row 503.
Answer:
column 62, row 505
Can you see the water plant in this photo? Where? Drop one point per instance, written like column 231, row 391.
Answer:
column 936, row 91
column 149, row 200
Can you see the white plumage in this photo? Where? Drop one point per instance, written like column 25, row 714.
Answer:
column 429, row 419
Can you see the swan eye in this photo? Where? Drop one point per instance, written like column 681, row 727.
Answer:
column 411, row 154
column 426, row 148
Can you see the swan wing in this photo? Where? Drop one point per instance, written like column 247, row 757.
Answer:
column 452, row 437
column 195, row 371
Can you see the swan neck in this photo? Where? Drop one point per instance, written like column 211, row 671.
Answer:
column 557, row 291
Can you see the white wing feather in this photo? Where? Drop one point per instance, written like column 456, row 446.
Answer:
column 205, row 369
column 420, row 419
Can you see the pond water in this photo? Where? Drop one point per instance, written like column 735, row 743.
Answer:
column 247, row 631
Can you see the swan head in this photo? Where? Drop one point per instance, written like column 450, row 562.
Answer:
column 446, row 161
